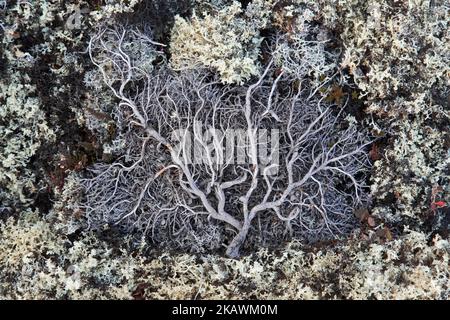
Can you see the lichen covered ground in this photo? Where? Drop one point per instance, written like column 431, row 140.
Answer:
column 389, row 62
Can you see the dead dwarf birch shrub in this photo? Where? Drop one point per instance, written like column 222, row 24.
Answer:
column 301, row 172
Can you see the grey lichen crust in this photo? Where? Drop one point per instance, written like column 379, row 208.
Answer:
column 398, row 53
column 37, row 262
column 23, row 130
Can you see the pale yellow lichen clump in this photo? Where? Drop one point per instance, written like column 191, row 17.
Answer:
column 226, row 40
column 38, row 262
column 114, row 7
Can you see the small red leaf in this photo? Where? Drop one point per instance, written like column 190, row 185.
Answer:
column 440, row 204
column 374, row 153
